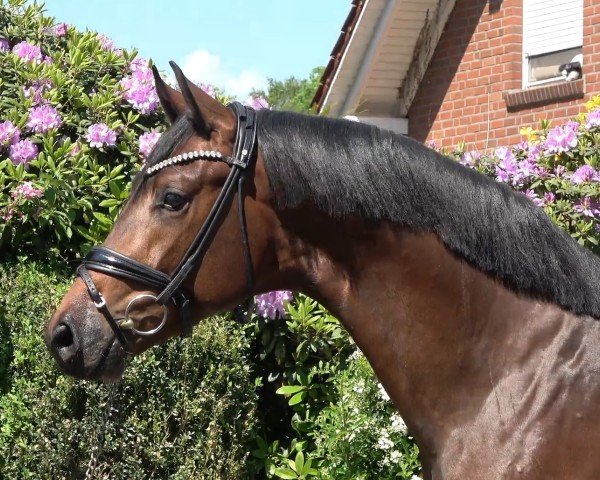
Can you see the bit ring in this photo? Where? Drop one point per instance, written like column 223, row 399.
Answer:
column 145, row 333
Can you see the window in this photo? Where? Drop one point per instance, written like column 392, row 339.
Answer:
column 552, row 36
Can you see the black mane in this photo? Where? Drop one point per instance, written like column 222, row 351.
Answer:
column 347, row 168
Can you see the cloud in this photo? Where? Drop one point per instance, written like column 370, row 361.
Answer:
column 202, row 66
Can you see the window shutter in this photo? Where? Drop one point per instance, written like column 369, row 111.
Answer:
column 551, row 25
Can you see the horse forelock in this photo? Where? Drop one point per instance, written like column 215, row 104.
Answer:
column 179, row 132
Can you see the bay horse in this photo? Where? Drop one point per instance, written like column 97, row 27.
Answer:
column 478, row 315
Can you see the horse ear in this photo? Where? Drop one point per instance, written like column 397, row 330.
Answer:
column 208, row 114
column 171, row 100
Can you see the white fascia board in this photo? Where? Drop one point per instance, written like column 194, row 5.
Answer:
column 353, row 96
column 395, row 124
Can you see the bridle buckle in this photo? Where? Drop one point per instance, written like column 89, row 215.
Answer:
column 102, row 302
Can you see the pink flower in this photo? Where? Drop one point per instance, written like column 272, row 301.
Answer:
column 535, row 152
column 534, row 197
column 562, row 139
column 28, row 51
column 587, row 207
column 433, row 145
column 75, row 149
column 559, row 171
column 8, row 215
column 549, row 197
column 139, row 89
column 36, row 89
column 105, row 42
column 100, row 135
column 27, row 190
column 506, row 169
column 470, row 159
column 23, row 152
column 138, row 63
column 208, row 89
column 272, row 304
column 44, row 118
column 147, row 142
column 257, row 103
column 584, row 174
column 9, row 134
column 60, row 30
column 593, row 119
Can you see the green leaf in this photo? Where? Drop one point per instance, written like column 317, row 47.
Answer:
column 111, row 202
column 285, row 473
column 290, row 389
column 296, row 399
column 114, row 188
column 299, row 461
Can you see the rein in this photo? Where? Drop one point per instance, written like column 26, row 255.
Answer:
column 107, row 261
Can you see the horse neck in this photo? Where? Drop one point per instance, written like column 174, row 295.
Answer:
column 429, row 324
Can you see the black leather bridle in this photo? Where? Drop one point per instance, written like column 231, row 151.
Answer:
column 109, row 262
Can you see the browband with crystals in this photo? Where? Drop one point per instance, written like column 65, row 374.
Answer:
column 184, row 157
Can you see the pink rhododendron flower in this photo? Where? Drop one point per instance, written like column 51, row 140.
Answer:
column 272, row 304
column 506, row 169
column 534, row 197
column 549, row 197
column 147, row 142
column 257, row 103
column 138, row 63
column 562, row 139
column 8, row 215
column 584, row 174
column 559, row 171
column 9, row 134
column 60, row 29
column 470, row 159
column 593, row 119
column 36, row 89
column 139, row 90
column 100, row 135
column 27, row 190
column 75, row 149
column 44, row 118
column 105, row 42
column 23, row 152
column 535, row 152
column 208, row 89
column 433, row 145
column 28, row 51
column 587, row 206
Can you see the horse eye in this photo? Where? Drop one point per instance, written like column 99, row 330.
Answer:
column 173, row 201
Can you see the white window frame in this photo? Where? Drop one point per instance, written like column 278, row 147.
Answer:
column 525, row 56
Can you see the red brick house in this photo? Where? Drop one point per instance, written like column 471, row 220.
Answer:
column 463, row 70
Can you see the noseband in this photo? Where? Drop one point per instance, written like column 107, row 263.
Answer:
column 110, row 262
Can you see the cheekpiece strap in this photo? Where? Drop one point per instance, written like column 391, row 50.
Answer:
column 245, row 142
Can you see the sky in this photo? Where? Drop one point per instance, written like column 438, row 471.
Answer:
column 233, row 44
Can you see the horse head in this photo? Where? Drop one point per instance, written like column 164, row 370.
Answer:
column 178, row 251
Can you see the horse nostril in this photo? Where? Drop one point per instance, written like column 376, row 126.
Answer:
column 63, row 336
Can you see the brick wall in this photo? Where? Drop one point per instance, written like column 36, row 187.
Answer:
column 476, row 62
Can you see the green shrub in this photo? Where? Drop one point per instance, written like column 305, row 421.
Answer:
column 332, row 418
column 184, row 410
column 558, row 168
column 79, row 178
